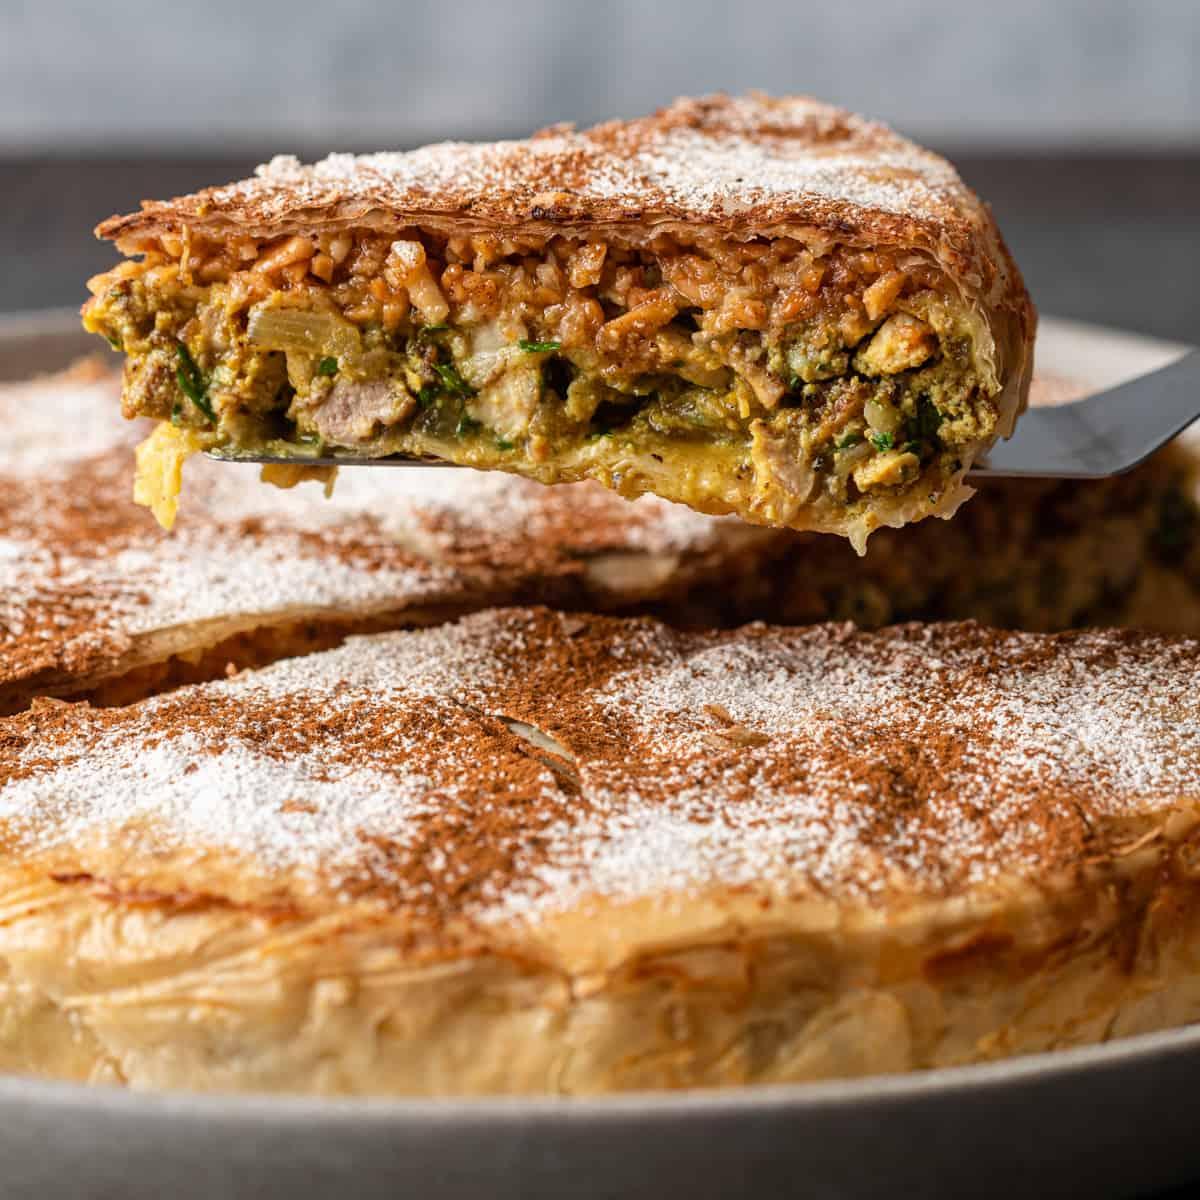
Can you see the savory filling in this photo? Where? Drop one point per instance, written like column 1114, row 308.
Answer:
column 760, row 377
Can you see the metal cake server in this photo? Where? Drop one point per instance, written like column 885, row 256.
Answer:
column 1107, row 433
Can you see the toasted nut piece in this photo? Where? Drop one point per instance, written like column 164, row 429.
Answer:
column 292, row 250
column 408, row 256
column 585, row 264
column 1180, row 823
column 637, row 322
column 881, row 295
column 902, row 343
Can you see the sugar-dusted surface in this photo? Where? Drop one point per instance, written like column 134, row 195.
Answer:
column 85, row 572
column 926, row 759
column 702, row 159
column 719, row 159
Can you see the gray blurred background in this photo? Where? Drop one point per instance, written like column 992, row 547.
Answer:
column 1078, row 119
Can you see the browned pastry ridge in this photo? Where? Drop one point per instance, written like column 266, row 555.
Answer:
column 769, row 307
column 534, row 852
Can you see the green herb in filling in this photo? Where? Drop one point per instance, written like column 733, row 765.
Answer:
column 192, row 383
column 452, row 381
column 929, row 420
column 663, row 401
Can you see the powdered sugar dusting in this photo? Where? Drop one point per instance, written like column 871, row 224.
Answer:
column 928, row 759
column 728, row 175
column 691, row 171
column 790, row 160
column 1017, row 730
column 177, row 786
column 37, row 413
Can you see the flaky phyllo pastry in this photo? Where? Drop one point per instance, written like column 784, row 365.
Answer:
column 764, row 307
column 546, row 853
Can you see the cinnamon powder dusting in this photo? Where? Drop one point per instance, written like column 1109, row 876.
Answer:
column 517, row 762
column 717, row 160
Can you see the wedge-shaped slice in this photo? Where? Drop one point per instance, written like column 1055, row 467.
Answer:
column 766, row 307
column 543, row 853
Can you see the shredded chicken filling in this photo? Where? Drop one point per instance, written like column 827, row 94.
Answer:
column 839, row 376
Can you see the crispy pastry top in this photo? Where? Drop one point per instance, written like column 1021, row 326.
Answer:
column 747, row 166
column 737, row 167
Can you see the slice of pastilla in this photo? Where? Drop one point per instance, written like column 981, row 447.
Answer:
column 534, row 852
column 96, row 600
column 767, row 307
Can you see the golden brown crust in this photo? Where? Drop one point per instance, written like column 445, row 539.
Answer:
column 768, row 164
column 820, row 762
column 758, row 856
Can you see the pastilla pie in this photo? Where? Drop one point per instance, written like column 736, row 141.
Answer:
column 767, row 307
column 532, row 852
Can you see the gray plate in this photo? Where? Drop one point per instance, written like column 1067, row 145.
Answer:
column 1113, row 1120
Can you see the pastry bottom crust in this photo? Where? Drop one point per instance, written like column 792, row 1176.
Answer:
column 205, row 993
